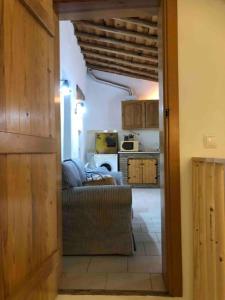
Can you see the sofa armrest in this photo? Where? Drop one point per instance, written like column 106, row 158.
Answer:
column 89, row 196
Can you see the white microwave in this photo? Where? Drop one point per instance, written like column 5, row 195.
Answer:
column 129, row 146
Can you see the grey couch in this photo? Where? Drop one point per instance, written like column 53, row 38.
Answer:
column 96, row 219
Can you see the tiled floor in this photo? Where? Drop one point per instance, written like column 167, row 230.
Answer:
column 140, row 272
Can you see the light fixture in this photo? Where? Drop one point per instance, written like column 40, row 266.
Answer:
column 80, row 108
column 65, row 88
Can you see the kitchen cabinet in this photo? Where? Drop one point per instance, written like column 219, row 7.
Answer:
column 133, row 114
column 142, row 171
column 152, row 114
column 140, row 114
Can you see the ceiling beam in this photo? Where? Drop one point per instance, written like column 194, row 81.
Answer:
column 124, row 32
column 137, row 47
column 85, row 45
column 137, row 21
column 119, row 61
column 83, row 9
column 120, row 68
column 129, row 74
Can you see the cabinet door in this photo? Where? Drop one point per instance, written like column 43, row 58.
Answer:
column 134, row 171
column 133, row 114
column 149, row 171
column 152, row 114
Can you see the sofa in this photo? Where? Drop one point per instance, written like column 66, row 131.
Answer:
column 96, row 218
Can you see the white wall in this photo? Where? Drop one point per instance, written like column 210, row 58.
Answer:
column 202, row 100
column 104, row 107
column 201, row 42
column 73, row 68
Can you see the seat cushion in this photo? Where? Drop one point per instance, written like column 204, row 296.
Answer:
column 71, row 175
column 100, row 180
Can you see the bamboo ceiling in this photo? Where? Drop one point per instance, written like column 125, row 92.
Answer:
column 125, row 46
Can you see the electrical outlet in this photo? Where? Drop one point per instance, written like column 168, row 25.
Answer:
column 209, row 142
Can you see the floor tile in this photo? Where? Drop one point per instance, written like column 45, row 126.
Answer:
column 159, row 236
column 145, row 264
column 129, row 281
column 108, row 264
column 150, row 227
column 137, row 219
column 75, row 264
column 137, row 227
column 83, row 281
column 140, row 249
column 158, row 283
column 152, row 248
column 145, row 237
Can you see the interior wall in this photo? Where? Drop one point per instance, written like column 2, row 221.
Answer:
column 202, row 100
column 201, row 43
column 104, row 107
column 73, row 69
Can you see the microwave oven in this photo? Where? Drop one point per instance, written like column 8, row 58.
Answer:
column 129, row 146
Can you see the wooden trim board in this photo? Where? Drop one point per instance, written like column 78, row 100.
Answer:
column 170, row 159
column 21, row 143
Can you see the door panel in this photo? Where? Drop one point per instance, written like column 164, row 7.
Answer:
column 151, row 114
column 149, row 171
column 134, row 171
column 29, row 151
column 42, row 10
column 27, row 88
column 133, row 114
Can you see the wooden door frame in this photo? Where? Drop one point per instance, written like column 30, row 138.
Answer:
column 169, row 142
column 169, row 136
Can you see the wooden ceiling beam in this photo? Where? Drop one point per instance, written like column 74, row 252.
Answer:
column 137, row 21
column 129, row 74
column 120, row 68
column 137, row 47
column 116, row 60
column 85, row 45
column 83, row 9
column 124, row 32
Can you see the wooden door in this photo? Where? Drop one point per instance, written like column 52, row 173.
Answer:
column 134, row 171
column 133, row 114
column 149, row 171
column 152, row 114
column 29, row 249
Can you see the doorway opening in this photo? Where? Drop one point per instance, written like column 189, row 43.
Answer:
column 117, row 272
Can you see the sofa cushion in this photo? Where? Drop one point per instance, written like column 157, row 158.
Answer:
column 118, row 176
column 71, row 175
column 81, row 168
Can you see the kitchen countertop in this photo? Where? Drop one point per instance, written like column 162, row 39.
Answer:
column 139, row 152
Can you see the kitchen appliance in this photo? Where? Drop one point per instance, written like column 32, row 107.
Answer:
column 106, row 142
column 109, row 161
column 129, row 146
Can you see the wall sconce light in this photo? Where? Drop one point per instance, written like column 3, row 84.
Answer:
column 80, row 108
column 65, row 88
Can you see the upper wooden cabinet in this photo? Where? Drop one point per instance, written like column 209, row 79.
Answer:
column 152, row 114
column 133, row 114
column 138, row 114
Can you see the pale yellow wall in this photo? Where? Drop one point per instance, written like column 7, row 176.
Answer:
column 202, row 106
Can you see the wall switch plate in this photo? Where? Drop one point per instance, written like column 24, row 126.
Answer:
column 209, row 142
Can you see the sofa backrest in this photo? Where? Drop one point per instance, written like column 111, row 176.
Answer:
column 81, row 168
column 70, row 175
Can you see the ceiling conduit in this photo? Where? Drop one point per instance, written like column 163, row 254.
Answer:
column 111, row 83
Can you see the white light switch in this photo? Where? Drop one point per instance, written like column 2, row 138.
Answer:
column 209, row 141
